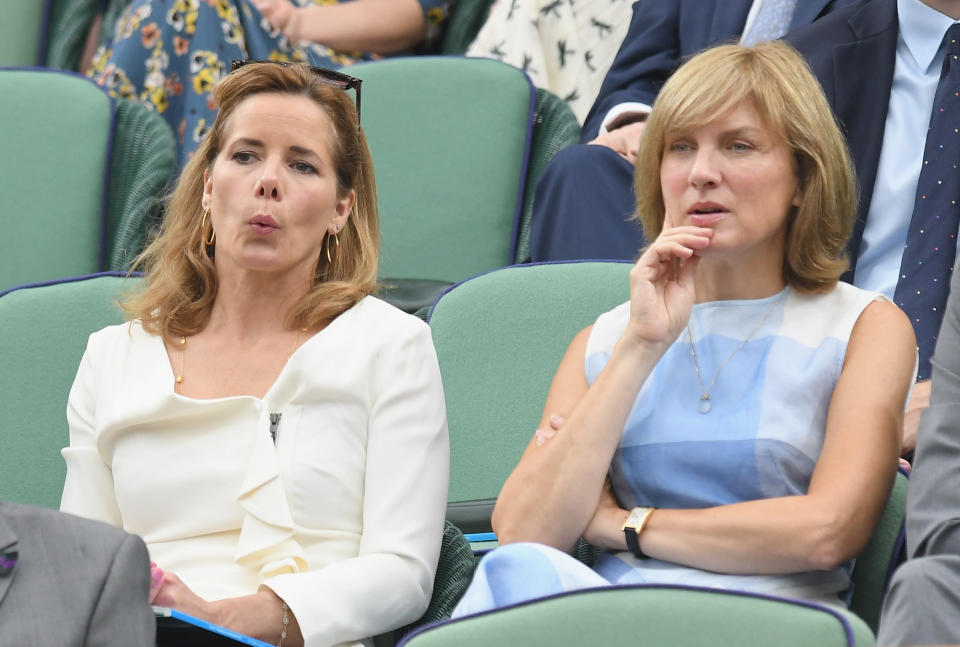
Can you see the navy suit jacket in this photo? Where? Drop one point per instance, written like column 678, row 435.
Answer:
column 663, row 33
column 853, row 52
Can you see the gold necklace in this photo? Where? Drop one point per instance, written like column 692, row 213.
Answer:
column 183, row 354
column 705, row 406
column 182, row 343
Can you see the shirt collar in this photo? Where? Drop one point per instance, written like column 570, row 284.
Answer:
column 922, row 29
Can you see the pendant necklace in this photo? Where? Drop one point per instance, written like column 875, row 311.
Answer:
column 182, row 344
column 705, row 404
column 178, row 379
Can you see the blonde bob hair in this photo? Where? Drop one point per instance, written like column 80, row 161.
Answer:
column 776, row 79
column 180, row 276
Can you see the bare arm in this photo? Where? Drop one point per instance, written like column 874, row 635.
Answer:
column 848, row 490
column 378, row 26
column 919, row 401
column 551, row 495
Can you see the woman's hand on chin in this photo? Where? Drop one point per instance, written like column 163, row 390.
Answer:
column 662, row 290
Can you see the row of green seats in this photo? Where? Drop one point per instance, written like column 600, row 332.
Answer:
column 499, row 337
column 458, row 145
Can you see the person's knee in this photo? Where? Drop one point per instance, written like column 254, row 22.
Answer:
column 923, row 598
column 923, row 576
column 511, row 559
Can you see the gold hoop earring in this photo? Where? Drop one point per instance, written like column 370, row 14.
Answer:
column 203, row 225
column 336, row 241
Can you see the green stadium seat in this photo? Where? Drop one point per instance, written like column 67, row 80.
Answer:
column 86, row 176
column 52, row 33
column 654, row 616
column 22, row 31
column 451, row 141
column 45, row 333
column 499, row 339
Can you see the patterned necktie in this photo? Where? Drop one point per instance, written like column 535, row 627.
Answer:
column 772, row 22
column 932, row 236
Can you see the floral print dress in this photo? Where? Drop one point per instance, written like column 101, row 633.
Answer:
column 169, row 54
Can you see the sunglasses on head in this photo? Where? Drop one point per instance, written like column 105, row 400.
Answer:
column 333, row 77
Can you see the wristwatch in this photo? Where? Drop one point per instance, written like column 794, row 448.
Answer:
column 633, row 526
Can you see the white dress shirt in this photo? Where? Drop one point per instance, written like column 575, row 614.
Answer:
column 342, row 518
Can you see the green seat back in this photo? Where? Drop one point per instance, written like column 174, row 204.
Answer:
column 89, row 173
column 653, row 616
column 499, row 339
column 877, row 561
column 22, row 29
column 45, row 332
column 56, row 128
column 449, row 138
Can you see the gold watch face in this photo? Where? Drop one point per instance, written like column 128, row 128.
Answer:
column 636, row 516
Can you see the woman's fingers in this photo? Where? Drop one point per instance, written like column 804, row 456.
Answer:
column 673, row 244
column 661, row 262
column 696, row 238
column 156, row 581
column 691, row 239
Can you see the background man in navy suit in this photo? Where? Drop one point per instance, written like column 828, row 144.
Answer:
column 585, row 196
column 877, row 63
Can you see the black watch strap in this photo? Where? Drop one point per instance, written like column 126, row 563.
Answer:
column 633, row 526
column 633, row 542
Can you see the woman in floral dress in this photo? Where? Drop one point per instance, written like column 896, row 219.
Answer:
column 169, row 54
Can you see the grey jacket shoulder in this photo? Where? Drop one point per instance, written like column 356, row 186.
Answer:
column 75, row 582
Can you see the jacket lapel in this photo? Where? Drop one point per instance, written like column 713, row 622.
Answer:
column 728, row 20
column 864, row 75
column 806, row 12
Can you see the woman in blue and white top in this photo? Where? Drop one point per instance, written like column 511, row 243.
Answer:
column 737, row 423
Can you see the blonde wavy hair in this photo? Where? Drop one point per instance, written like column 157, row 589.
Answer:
column 791, row 103
column 180, row 277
